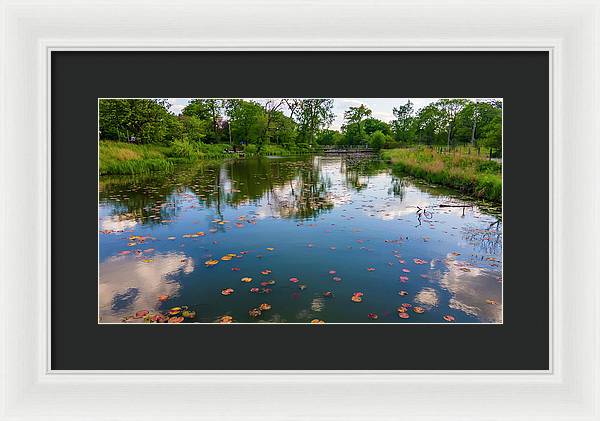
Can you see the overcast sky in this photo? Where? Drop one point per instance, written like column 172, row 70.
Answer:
column 381, row 107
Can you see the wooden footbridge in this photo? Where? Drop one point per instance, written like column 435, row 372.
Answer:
column 353, row 149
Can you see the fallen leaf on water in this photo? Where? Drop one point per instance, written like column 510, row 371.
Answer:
column 147, row 260
column 235, row 269
column 328, row 294
column 211, row 262
column 266, row 290
column 332, row 272
column 419, row 261
column 140, row 314
column 448, row 318
column 227, row 291
column 317, row 322
column 163, row 297
column 225, row 319
column 336, row 278
column 226, row 258
column 357, row 297
column 264, row 307
column 174, row 310
column 492, row 302
column 270, row 248
column 294, row 280
column 246, row 279
column 188, row 314
column 403, row 315
column 403, row 278
column 266, row 272
column 419, row 310
column 176, row 319
column 254, row 312
column 403, row 293
column 254, row 290
column 370, row 269
column 401, row 310
column 372, row 316
column 406, row 270
column 171, row 238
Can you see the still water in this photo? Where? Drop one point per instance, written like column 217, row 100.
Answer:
column 295, row 240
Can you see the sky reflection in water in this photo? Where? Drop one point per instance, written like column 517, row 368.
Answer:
column 299, row 218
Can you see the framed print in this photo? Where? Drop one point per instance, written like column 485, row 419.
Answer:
column 269, row 216
column 257, row 223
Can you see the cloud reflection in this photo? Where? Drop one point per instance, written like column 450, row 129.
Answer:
column 471, row 287
column 128, row 284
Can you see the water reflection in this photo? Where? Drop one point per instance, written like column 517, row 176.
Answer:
column 474, row 290
column 297, row 217
column 128, row 283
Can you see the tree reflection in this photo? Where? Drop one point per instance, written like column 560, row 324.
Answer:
column 486, row 240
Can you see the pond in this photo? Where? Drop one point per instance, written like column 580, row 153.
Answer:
column 329, row 239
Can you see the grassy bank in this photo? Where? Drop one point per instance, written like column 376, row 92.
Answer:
column 125, row 158
column 471, row 174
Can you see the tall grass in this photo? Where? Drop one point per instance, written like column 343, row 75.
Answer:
column 123, row 158
column 471, row 174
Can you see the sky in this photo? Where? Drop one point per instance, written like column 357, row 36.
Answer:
column 381, row 107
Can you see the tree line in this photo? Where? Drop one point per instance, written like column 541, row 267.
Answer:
column 300, row 123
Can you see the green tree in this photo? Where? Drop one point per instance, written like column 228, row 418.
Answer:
column 208, row 110
column 329, row 137
column 354, row 124
column 372, row 125
column 246, row 120
column 312, row 116
column 146, row 120
column 449, row 109
column 377, row 140
column 403, row 124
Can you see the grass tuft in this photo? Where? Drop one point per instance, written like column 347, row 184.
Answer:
column 471, row 174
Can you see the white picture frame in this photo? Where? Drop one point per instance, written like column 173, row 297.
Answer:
column 568, row 29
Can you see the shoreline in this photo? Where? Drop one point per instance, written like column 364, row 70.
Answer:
column 472, row 175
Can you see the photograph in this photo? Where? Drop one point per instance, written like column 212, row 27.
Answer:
column 300, row 211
